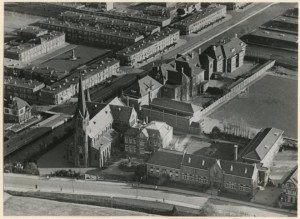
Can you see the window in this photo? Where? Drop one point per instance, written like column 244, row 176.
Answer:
column 6, row 110
column 184, row 176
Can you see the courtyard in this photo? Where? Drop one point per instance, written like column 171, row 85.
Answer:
column 270, row 97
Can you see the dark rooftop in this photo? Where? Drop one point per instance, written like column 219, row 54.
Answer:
column 166, row 159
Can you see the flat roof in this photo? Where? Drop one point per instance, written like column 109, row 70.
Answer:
column 205, row 12
column 32, row 30
column 142, row 44
column 275, row 35
column 284, row 19
column 95, row 29
column 18, row 82
column 63, row 62
column 108, row 22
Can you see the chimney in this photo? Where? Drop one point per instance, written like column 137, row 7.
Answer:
column 231, row 168
column 192, row 54
column 146, row 120
column 214, row 47
column 199, row 51
column 127, row 100
column 235, row 152
column 182, row 70
column 190, row 159
column 235, row 35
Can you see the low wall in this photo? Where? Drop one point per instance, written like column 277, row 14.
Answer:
column 114, row 202
column 239, row 87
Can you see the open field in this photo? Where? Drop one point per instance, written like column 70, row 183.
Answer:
column 271, row 102
column 23, row 206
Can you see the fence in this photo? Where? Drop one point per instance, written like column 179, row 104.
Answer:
column 239, row 87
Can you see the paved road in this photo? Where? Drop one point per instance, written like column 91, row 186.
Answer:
column 20, row 182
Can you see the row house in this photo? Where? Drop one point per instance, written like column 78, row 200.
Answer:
column 28, row 90
column 201, row 20
column 104, row 22
column 147, row 48
column 94, row 74
column 33, row 48
column 93, row 35
column 94, row 135
column 143, row 139
column 225, row 56
column 224, row 176
column 16, row 110
column 289, row 189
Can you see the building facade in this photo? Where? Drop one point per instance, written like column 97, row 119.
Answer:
column 93, row 35
column 26, row 52
column 225, row 56
column 94, row 74
column 289, row 189
column 147, row 138
column 201, row 20
column 16, row 110
column 94, row 135
column 27, row 90
column 147, row 48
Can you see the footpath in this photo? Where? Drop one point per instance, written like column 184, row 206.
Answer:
column 150, row 187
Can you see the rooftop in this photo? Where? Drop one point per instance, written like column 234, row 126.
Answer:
column 32, row 30
column 30, row 84
column 166, row 159
column 94, row 29
column 105, row 22
column 291, row 175
column 275, row 35
column 145, row 43
column 174, row 105
column 16, row 102
column 262, row 143
column 284, row 19
column 205, row 12
column 198, row 161
column 21, row 47
column 237, row 168
column 85, row 72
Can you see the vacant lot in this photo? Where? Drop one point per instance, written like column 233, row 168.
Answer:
column 23, row 206
column 271, row 102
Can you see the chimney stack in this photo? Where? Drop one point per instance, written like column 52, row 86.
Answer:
column 235, row 35
column 199, row 51
column 192, row 54
column 214, row 47
column 235, row 152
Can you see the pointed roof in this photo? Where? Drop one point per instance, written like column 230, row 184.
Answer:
column 122, row 113
column 81, row 105
column 198, row 161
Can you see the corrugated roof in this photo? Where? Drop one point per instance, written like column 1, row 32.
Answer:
column 166, row 159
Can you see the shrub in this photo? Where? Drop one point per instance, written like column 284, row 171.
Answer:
column 31, row 168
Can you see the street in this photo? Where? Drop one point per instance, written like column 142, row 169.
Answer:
column 188, row 198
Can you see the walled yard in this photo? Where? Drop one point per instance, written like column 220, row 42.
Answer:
column 270, row 102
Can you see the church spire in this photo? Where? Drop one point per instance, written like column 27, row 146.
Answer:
column 81, row 107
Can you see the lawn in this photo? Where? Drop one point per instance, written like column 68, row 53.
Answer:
column 271, row 102
column 23, row 206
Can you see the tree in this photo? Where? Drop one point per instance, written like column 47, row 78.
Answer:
column 140, row 171
column 174, row 211
column 31, row 168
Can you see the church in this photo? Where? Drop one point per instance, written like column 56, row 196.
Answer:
column 94, row 135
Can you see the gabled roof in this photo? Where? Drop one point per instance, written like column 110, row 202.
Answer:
column 192, row 60
column 237, row 168
column 198, row 161
column 122, row 113
column 17, row 103
column 292, row 175
column 166, row 159
column 94, row 108
column 157, row 129
column 262, row 143
column 142, row 87
column 174, row 105
column 232, row 47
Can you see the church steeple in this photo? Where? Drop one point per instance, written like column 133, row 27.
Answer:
column 81, row 105
column 88, row 96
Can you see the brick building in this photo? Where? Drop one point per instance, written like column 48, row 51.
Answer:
column 148, row 47
column 225, row 56
column 289, row 189
column 181, row 116
column 109, row 23
column 33, row 48
column 223, row 176
column 94, row 135
column 142, row 92
column 200, row 20
column 262, row 149
column 16, row 110
column 27, row 90
column 31, row 32
column 143, row 139
column 94, row 35
column 92, row 75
